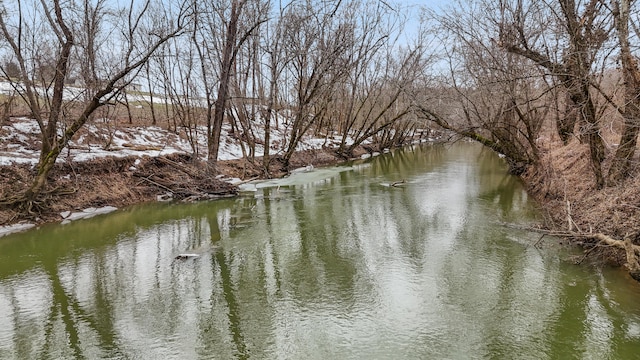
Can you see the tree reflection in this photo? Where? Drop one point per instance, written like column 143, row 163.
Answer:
column 321, row 269
column 347, row 267
column 65, row 307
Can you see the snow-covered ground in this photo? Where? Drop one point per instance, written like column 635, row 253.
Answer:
column 19, row 139
column 77, row 93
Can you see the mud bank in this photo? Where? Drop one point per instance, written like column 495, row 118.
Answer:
column 119, row 182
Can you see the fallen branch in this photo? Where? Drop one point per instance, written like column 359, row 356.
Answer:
column 178, row 166
column 156, row 184
column 621, row 244
column 140, row 147
column 539, row 240
column 632, row 250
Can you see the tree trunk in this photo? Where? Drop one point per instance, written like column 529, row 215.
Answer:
column 574, row 72
column 46, row 164
column 580, row 95
column 126, row 104
column 51, row 132
column 621, row 163
column 296, row 135
column 223, row 88
column 151, row 106
column 267, row 141
column 567, row 121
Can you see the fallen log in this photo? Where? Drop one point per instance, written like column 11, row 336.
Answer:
column 632, row 251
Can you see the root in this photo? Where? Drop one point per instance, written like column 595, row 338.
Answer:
column 24, row 206
column 632, row 252
column 32, row 207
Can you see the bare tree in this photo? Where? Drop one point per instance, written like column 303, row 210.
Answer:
column 317, row 41
column 494, row 97
column 385, row 103
column 380, row 71
column 268, row 81
column 139, row 40
column 584, row 28
column 234, row 24
column 89, row 40
column 177, row 66
column 631, row 109
column 245, row 101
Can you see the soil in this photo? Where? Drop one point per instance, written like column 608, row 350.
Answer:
column 126, row 181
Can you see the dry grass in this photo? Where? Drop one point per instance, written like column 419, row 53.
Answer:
column 564, row 186
column 107, row 181
column 119, row 182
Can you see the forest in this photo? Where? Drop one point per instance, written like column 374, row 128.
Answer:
column 553, row 86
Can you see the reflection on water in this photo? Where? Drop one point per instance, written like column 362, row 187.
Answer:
column 337, row 266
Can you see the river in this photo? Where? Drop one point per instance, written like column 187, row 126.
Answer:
column 329, row 264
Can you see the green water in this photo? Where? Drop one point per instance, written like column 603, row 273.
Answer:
column 330, row 264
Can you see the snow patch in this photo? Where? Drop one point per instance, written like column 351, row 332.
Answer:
column 303, row 169
column 10, row 229
column 85, row 214
column 302, row 178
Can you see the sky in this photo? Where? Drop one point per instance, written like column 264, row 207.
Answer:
column 414, row 22
column 433, row 4
column 428, row 3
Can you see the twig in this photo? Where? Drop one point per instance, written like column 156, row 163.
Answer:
column 539, row 240
column 174, row 164
column 586, row 253
column 578, row 235
column 247, row 180
column 156, row 184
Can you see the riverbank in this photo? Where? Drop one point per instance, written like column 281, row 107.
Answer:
column 565, row 188
column 124, row 181
column 111, row 163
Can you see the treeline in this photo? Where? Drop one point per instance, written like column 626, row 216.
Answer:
column 503, row 73
column 516, row 69
column 325, row 66
column 328, row 67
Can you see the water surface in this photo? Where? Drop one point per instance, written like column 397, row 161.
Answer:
column 333, row 264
